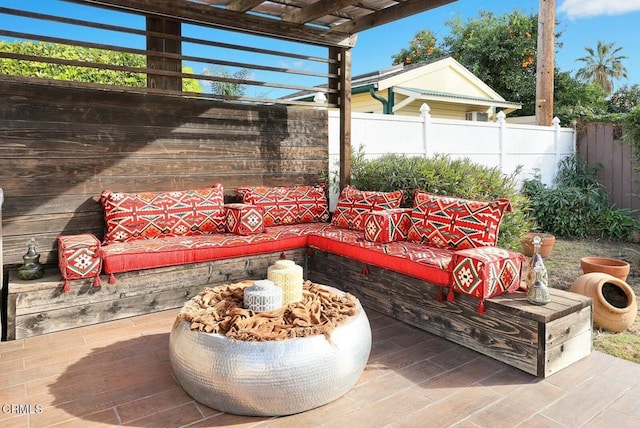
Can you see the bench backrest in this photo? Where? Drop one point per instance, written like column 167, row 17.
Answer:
column 61, row 146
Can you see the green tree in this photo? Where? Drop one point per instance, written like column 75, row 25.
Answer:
column 501, row 51
column 624, row 99
column 602, row 65
column 78, row 73
column 574, row 99
column 422, row 48
column 225, row 87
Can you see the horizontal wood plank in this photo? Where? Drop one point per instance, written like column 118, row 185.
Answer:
column 39, row 307
column 61, row 146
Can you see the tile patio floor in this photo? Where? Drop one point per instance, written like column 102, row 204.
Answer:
column 118, row 373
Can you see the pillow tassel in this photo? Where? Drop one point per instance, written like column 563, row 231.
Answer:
column 365, row 270
column 66, row 287
column 112, row 279
column 440, row 297
column 283, row 256
column 97, row 282
column 451, row 297
column 481, row 309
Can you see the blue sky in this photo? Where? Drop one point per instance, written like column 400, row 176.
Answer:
column 582, row 22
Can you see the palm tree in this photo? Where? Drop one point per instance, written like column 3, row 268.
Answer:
column 602, row 66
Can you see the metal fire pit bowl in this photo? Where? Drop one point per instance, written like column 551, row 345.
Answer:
column 270, row 378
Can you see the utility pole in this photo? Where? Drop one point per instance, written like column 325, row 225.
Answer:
column 544, row 63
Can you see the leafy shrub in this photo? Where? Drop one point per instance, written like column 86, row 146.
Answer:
column 577, row 206
column 445, row 176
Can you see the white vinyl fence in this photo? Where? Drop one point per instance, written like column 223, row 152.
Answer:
column 493, row 144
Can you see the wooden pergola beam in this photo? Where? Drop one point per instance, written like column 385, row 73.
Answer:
column 389, row 14
column 342, row 67
column 317, row 10
column 203, row 14
column 243, row 5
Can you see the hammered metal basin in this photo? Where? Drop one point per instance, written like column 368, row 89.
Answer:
column 270, row 378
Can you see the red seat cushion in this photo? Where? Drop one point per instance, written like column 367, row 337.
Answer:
column 178, row 250
column 428, row 263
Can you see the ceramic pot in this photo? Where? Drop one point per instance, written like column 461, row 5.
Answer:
column 613, row 267
column 526, row 242
column 614, row 304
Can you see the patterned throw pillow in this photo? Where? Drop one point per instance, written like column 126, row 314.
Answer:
column 455, row 223
column 353, row 204
column 388, row 225
column 288, row 204
column 244, row 219
column 148, row 215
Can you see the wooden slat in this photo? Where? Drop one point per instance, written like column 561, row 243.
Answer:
column 229, row 19
column 62, row 146
column 243, row 5
column 600, row 144
column 318, row 9
column 389, row 14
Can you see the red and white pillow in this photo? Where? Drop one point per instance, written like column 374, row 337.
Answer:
column 388, row 225
column 353, row 204
column 149, row 215
column 288, row 204
column 456, row 223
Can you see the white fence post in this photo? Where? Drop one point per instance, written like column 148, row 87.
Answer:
column 426, row 121
column 501, row 135
column 556, row 143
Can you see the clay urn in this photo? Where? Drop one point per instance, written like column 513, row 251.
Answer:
column 613, row 267
column 548, row 240
column 614, row 304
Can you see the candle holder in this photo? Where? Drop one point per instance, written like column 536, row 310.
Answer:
column 288, row 276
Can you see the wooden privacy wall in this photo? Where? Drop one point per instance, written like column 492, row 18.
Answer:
column 600, row 143
column 61, row 145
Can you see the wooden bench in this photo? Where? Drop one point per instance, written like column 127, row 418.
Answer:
column 539, row 340
column 40, row 307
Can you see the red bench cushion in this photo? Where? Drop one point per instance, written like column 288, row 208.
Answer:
column 178, row 250
column 150, row 215
column 456, row 223
column 288, row 204
column 409, row 258
column 353, row 204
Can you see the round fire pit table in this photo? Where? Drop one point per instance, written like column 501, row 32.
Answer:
column 270, row 378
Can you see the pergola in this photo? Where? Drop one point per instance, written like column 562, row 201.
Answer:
column 332, row 23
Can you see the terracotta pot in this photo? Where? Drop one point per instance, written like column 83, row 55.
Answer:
column 548, row 240
column 614, row 304
column 614, row 267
